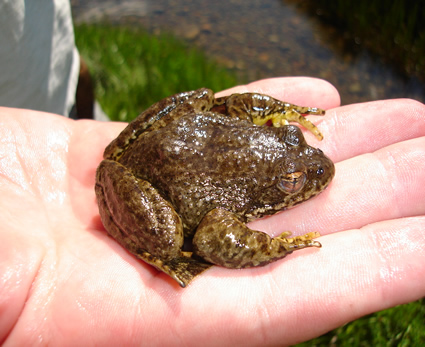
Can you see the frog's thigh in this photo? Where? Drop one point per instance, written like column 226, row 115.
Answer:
column 145, row 224
column 224, row 240
column 135, row 214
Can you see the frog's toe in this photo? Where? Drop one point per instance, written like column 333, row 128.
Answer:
column 299, row 242
column 284, row 235
column 295, row 116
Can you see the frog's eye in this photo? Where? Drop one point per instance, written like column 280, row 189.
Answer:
column 292, row 182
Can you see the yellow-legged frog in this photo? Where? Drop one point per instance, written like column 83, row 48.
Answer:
column 196, row 168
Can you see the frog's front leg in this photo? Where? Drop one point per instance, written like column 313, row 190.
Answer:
column 144, row 223
column 260, row 109
column 222, row 239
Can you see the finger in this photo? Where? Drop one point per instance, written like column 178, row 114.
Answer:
column 33, row 154
column 363, row 128
column 355, row 273
column 369, row 188
column 303, row 91
column 298, row 90
column 368, row 270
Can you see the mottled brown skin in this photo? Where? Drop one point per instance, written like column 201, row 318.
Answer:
column 192, row 166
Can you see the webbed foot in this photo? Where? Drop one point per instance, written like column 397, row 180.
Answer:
column 182, row 269
column 301, row 241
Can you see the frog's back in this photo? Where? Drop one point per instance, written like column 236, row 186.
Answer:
column 208, row 160
column 155, row 114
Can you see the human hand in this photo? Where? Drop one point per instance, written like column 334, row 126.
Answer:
column 63, row 280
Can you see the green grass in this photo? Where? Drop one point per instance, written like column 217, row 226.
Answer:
column 403, row 325
column 133, row 70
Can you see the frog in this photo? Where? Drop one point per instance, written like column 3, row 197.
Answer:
column 179, row 184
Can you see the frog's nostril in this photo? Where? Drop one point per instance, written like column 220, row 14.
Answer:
column 320, row 171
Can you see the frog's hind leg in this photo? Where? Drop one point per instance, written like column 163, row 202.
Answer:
column 182, row 269
column 261, row 109
column 224, row 240
column 145, row 224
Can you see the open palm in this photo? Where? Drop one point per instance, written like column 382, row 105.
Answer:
column 64, row 281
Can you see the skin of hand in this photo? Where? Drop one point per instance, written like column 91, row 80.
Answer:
column 63, row 280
